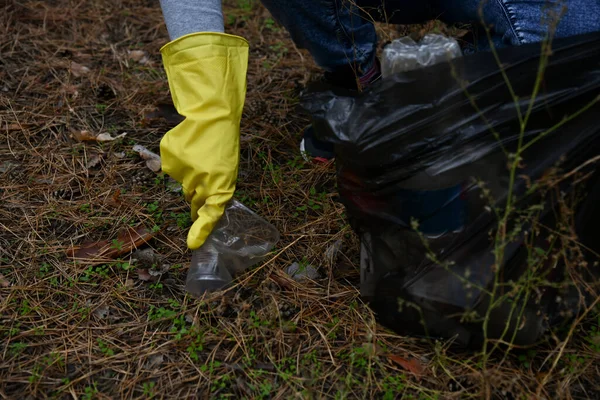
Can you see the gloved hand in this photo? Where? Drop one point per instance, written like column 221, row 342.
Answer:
column 207, row 78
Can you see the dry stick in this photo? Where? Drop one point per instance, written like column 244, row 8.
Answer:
column 326, row 343
column 577, row 169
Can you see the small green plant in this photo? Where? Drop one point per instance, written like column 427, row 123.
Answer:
column 36, row 374
column 83, row 310
column 593, row 336
column 220, row 382
column 117, row 244
column 270, row 25
column 245, row 198
column 54, row 359
column 265, row 390
column 279, row 48
column 86, row 208
column 296, row 163
column 286, row 369
column 124, row 265
column 231, row 19
column 25, row 308
column 101, row 108
column 148, row 389
column 359, row 358
column 160, row 313
column 392, row 386
column 16, row 348
column 196, row 346
column 183, row 219
column 245, row 5
column 90, row 392
column 160, row 179
column 154, row 209
column 316, row 201
column 92, row 272
column 257, row 322
column 333, row 327
column 525, row 359
column 104, row 348
column 44, row 270
column 15, row 330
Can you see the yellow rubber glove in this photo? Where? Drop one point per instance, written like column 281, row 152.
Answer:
column 207, row 78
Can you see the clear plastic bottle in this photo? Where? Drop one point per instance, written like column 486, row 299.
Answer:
column 404, row 54
column 239, row 240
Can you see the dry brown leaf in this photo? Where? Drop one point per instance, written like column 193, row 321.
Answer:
column 93, row 161
column 127, row 240
column 144, row 275
column 87, row 136
column 136, row 55
column 14, row 127
column 116, row 197
column 139, row 56
column 102, row 312
column 78, row 69
column 70, row 89
column 164, row 268
column 155, row 361
column 152, row 159
column 4, row 282
column 83, row 136
column 106, row 137
column 154, row 165
column 413, row 365
column 146, row 258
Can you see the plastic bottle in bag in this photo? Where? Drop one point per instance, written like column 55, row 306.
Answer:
column 240, row 239
column 404, row 54
column 435, row 200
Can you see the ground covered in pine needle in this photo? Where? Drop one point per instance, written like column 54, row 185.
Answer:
column 81, row 84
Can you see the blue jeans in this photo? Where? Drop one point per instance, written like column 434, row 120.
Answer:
column 340, row 33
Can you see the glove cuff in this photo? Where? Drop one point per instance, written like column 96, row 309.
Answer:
column 202, row 39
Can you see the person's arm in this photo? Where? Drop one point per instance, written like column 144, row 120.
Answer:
column 206, row 70
column 184, row 17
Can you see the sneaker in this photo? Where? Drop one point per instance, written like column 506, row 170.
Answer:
column 315, row 150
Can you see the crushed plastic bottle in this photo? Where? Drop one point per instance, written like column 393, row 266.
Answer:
column 404, row 54
column 239, row 240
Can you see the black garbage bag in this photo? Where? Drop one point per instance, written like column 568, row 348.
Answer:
column 432, row 145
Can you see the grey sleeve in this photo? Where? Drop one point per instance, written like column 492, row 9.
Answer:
column 190, row 16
